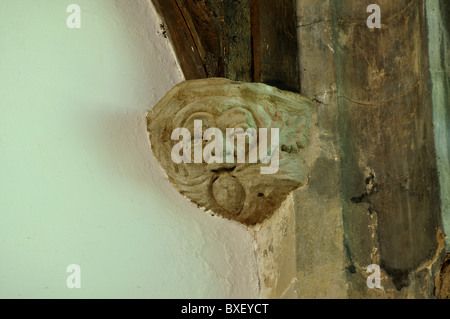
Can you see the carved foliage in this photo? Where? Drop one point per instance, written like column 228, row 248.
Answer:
column 237, row 191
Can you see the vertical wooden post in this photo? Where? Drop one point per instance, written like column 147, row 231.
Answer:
column 389, row 172
column 320, row 253
column 275, row 45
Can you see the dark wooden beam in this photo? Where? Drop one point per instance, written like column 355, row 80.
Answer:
column 205, row 27
column 238, row 40
column 275, row 46
column 246, row 40
column 182, row 39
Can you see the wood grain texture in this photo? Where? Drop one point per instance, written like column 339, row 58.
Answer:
column 387, row 145
column 205, row 28
column 246, row 40
column 275, row 46
column 238, row 40
column 183, row 42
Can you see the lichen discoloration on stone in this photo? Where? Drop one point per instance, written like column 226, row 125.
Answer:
column 237, row 191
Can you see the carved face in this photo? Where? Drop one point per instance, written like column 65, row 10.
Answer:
column 233, row 188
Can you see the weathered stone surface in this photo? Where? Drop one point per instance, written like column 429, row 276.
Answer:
column 275, row 253
column 236, row 191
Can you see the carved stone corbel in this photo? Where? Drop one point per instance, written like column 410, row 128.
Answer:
column 235, row 190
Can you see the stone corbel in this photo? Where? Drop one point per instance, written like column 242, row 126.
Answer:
column 256, row 192
column 246, row 191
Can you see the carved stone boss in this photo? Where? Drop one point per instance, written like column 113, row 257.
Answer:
column 233, row 189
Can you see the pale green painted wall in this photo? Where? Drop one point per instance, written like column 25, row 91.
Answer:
column 78, row 183
column 438, row 17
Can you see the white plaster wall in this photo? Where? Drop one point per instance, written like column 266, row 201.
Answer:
column 78, row 182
